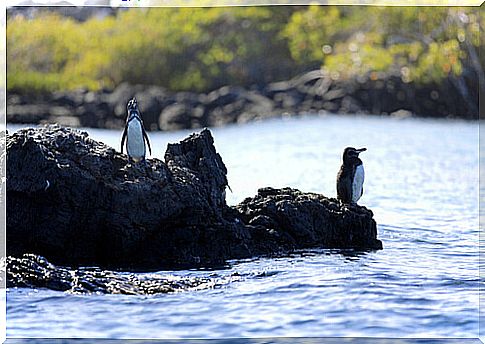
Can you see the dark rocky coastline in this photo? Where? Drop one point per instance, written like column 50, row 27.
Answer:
column 34, row 271
column 78, row 202
column 311, row 92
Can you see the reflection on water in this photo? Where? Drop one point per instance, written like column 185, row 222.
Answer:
column 422, row 185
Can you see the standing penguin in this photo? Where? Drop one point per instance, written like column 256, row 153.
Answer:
column 350, row 178
column 134, row 133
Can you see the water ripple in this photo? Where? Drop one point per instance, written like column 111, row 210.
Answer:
column 424, row 283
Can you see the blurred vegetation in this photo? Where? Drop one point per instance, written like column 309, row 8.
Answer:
column 199, row 49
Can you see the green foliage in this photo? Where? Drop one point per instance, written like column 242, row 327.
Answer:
column 439, row 61
column 310, row 31
column 36, row 54
column 418, row 43
column 359, row 55
column 199, row 49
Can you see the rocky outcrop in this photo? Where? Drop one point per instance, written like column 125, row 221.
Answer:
column 161, row 109
column 297, row 219
column 78, row 202
column 34, row 271
column 311, row 92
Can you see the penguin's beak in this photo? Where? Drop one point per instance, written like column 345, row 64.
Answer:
column 360, row 150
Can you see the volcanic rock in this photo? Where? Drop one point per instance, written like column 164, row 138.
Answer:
column 79, row 202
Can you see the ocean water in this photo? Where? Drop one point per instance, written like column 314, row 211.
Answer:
column 422, row 185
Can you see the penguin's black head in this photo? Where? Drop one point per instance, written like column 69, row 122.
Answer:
column 132, row 105
column 350, row 153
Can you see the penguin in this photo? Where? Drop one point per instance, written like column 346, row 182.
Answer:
column 134, row 134
column 350, row 178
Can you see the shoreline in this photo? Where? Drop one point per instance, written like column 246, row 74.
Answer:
column 308, row 94
column 13, row 127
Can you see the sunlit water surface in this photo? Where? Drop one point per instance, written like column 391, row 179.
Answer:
column 422, row 185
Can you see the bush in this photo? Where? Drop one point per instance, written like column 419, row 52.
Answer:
column 199, row 49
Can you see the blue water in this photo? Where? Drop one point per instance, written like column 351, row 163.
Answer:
column 422, row 185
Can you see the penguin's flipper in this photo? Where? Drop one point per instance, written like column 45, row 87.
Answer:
column 344, row 191
column 147, row 140
column 347, row 192
column 344, row 186
column 123, row 138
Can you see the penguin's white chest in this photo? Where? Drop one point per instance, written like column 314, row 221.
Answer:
column 135, row 144
column 357, row 183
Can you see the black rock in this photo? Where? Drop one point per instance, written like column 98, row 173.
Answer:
column 311, row 220
column 236, row 105
column 27, row 113
column 78, row 202
column 175, row 117
column 309, row 92
column 34, row 271
column 152, row 101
